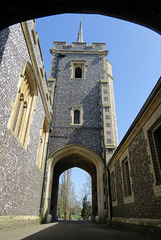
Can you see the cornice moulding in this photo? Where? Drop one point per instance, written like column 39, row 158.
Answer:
column 101, row 52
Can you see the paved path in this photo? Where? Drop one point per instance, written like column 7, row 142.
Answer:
column 69, row 231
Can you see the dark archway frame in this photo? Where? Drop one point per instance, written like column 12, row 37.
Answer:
column 143, row 12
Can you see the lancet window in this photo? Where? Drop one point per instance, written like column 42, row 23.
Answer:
column 76, row 117
column 20, row 120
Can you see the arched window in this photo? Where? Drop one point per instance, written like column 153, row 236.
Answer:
column 20, row 120
column 78, row 72
column 76, row 117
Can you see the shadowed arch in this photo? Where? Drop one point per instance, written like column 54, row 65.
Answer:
column 146, row 13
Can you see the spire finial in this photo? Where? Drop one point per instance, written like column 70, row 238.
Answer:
column 80, row 32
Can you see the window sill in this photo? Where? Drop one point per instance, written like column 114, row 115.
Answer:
column 23, row 146
column 73, row 124
column 114, row 203
column 77, row 78
column 128, row 199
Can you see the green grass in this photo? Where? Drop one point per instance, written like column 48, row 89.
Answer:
column 76, row 217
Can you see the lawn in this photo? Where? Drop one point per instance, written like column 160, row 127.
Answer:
column 76, row 217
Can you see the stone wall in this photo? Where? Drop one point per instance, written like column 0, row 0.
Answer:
column 20, row 178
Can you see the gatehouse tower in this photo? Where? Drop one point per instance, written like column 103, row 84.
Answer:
column 81, row 90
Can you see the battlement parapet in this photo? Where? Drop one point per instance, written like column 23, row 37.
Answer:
column 77, row 46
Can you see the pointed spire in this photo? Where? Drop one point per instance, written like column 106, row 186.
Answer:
column 80, row 33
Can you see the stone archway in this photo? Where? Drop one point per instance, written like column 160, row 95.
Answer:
column 74, row 156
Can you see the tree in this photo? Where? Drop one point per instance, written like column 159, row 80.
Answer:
column 86, row 209
column 63, row 195
column 86, row 189
column 67, row 202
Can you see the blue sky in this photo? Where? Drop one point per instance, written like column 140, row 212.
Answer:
column 134, row 51
column 79, row 179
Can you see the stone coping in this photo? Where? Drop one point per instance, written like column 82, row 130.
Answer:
column 139, row 221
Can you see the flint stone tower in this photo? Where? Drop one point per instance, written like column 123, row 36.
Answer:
column 81, row 88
